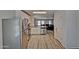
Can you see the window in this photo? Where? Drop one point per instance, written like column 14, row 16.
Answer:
column 42, row 22
column 39, row 22
column 50, row 22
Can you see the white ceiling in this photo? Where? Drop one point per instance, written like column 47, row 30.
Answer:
column 48, row 15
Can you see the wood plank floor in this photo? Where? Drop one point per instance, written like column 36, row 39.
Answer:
column 44, row 42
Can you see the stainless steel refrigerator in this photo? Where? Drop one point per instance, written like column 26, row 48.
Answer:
column 11, row 33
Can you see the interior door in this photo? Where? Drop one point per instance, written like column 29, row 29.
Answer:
column 11, row 33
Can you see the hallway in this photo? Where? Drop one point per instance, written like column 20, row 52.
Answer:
column 39, row 29
column 44, row 42
column 22, row 29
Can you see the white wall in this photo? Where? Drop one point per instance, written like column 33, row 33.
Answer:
column 67, row 24
column 78, row 26
column 71, row 29
column 7, row 14
column 59, row 23
column 1, row 34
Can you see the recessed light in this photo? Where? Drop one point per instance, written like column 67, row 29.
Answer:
column 39, row 12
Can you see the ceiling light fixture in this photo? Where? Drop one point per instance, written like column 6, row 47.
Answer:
column 39, row 12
